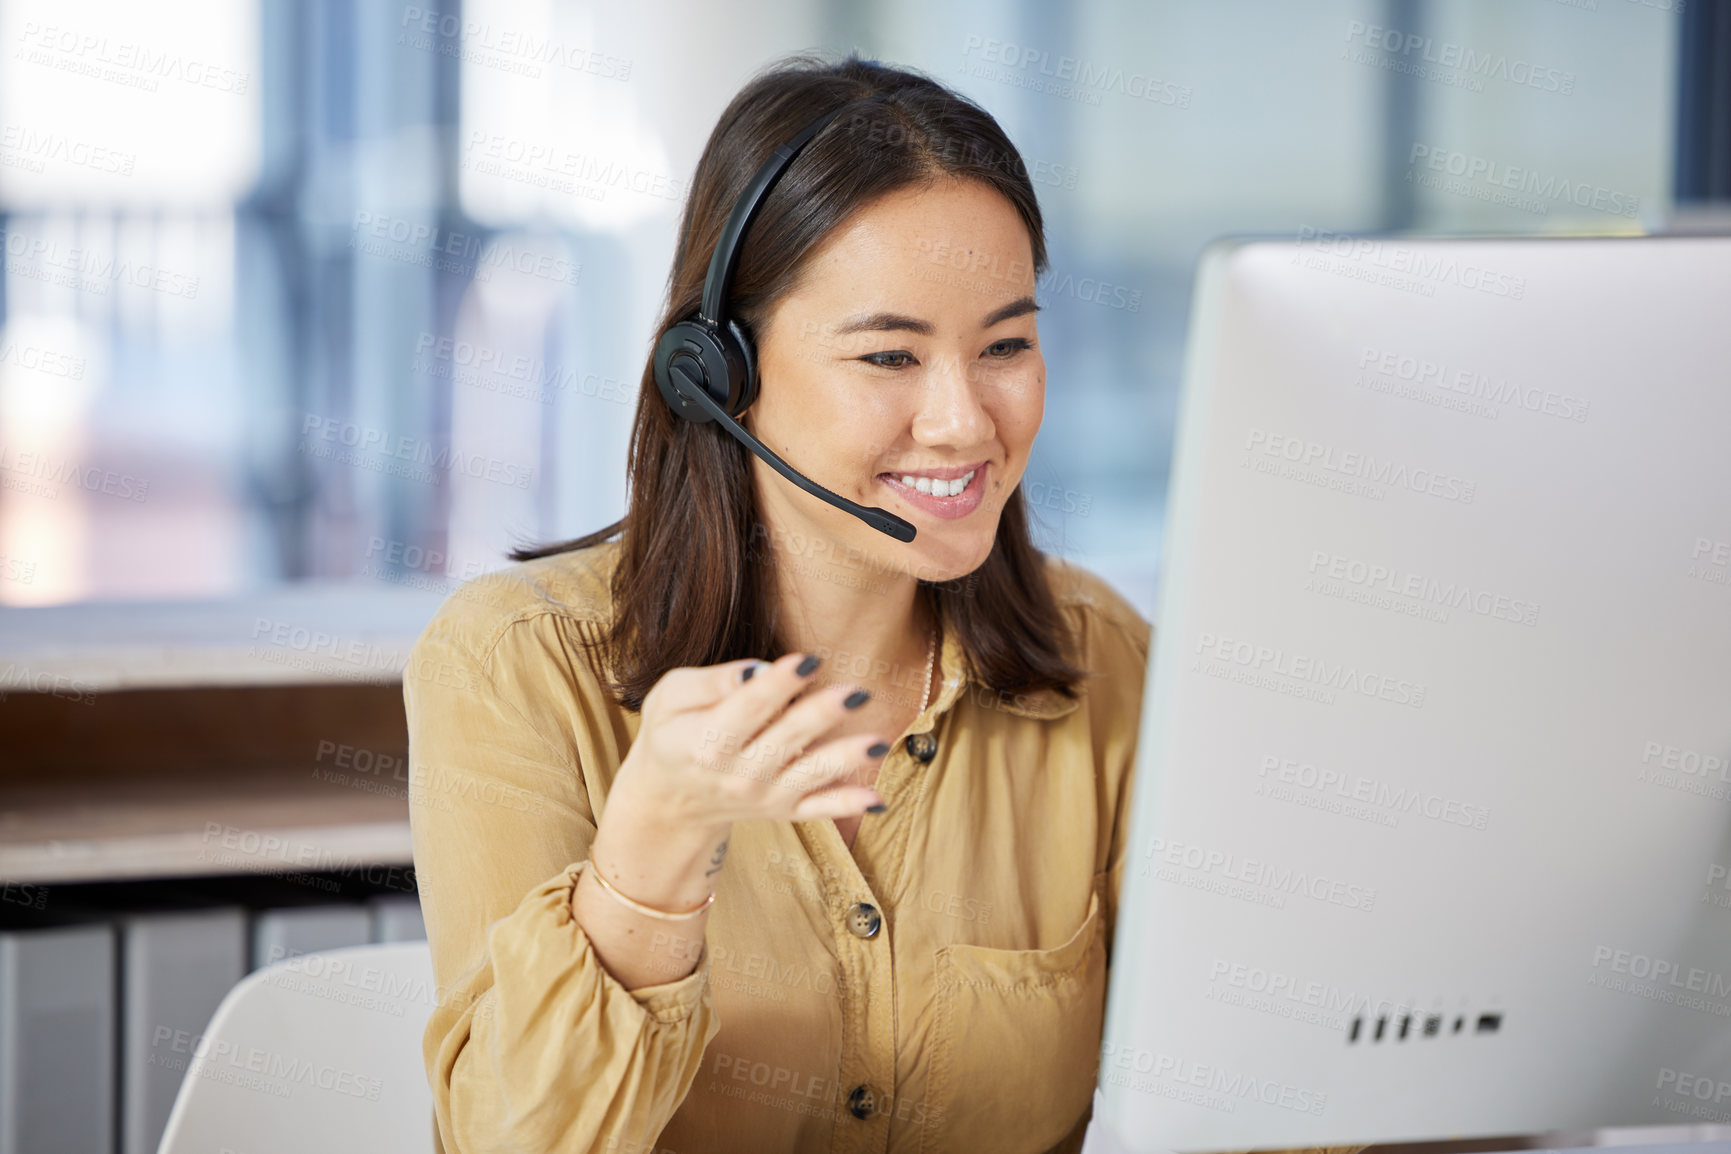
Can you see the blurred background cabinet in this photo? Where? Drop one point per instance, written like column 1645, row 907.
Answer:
column 188, row 791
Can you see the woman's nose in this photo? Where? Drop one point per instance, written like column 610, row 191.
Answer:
column 954, row 406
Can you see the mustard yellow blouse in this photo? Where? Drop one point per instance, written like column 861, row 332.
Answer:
column 938, row 988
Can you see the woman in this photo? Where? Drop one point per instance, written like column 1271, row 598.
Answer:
column 858, row 894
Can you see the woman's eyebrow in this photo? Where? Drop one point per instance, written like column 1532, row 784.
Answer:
column 884, row 322
column 896, row 322
column 1015, row 308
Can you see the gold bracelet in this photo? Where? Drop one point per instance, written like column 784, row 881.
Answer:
column 646, row 911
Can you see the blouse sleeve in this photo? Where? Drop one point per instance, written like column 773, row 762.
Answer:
column 532, row 1045
column 1128, row 673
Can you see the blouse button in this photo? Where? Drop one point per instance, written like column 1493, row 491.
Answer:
column 862, row 1101
column 863, row 920
column 922, row 747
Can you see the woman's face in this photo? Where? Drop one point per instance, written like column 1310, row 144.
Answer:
column 906, row 350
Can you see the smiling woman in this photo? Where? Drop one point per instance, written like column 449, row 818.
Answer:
column 848, row 281
column 736, row 917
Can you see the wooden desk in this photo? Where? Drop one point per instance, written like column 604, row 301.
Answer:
column 248, row 735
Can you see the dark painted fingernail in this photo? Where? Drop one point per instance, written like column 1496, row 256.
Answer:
column 809, row 666
column 856, row 699
column 878, row 750
column 878, row 808
column 749, row 672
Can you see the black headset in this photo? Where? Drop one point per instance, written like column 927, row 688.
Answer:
column 705, row 366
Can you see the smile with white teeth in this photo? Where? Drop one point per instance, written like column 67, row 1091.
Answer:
column 935, row 487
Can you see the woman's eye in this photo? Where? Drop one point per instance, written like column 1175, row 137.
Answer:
column 1008, row 347
column 899, row 359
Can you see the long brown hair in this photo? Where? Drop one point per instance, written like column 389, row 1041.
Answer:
column 692, row 587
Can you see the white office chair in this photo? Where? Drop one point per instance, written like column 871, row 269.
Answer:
column 320, row 1052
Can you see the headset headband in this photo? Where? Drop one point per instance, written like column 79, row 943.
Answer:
column 721, row 265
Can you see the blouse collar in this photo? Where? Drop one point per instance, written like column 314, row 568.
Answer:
column 1041, row 704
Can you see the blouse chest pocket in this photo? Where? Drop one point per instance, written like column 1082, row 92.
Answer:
column 1016, row 1042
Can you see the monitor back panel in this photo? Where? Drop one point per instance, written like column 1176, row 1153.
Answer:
column 1432, row 825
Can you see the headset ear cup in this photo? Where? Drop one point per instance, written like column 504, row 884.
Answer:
column 717, row 363
column 745, row 355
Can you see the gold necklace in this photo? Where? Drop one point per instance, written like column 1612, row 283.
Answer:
column 931, row 665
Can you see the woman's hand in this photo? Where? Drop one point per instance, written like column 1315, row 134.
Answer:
column 715, row 746
column 722, row 743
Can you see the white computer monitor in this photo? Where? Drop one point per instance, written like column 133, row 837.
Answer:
column 1432, row 824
